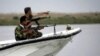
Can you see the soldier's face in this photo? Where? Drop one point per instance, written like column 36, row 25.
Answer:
column 30, row 12
column 24, row 23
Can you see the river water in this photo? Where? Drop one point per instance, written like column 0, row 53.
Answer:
column 86, row 43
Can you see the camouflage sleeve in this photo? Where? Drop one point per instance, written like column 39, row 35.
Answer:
column 18, row 32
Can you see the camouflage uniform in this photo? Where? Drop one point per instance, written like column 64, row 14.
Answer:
column 19, row 35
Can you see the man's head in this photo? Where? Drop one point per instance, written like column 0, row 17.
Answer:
column 23, row 21
column 27, row 10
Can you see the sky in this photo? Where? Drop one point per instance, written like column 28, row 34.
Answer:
column 67, row 6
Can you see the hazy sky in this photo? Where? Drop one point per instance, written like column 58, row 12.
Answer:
column 8, row 6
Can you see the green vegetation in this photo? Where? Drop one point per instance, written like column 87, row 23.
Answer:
column 9, row 21
column 80, row 18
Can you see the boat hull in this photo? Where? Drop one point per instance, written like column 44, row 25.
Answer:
column 49, row 45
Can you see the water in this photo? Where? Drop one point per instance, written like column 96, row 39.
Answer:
column 85, row 43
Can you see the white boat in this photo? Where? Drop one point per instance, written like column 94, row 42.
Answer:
column 47, row 45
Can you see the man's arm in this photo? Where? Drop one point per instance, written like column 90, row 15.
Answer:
column 18, row 32
column 21, row 33
column 41, row 15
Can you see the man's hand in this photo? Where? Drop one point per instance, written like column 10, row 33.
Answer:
column 29, row 31
column 43, row 14
column 46, row 13
column 28, row 25
column 24, row 30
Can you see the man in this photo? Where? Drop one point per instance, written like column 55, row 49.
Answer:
column 31, row 18
column 23, row 33
column 25, row 30
column 20, row 31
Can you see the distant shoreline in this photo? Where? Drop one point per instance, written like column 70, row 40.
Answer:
column 60, row 24
column 58, row 18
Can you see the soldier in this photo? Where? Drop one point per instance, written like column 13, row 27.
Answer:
column 25, row 30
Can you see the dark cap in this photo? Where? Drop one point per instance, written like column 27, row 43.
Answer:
column 27, row 9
